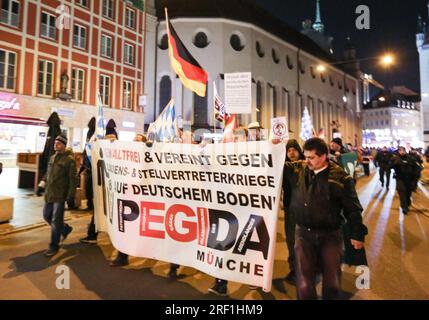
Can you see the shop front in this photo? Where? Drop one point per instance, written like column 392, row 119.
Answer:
column 23, row 125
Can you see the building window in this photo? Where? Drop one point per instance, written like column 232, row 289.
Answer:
column 77, row 84
column 7, row 70
column 301, row 67
column 83, row 3
column 130, row 18
column 45, row 79
column 201, row 40
column 387, row 122
column 105, row 89
column 260, row 49
column 331, row 81
column 106, row 46
column 128, row 95
column 48, row 25
column 313, row 73
column 259, row 101
column 323, row 77
column 10, row 12
column 289, row 62
column 108, row 9
column 200, row 110
column 275, row 56
column 236, row 42
column 163, row 43
column 129, row 54
column 164, row 92
column 79, row 36
column 275, row 102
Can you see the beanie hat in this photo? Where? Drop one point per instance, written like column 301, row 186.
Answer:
column 62, row 139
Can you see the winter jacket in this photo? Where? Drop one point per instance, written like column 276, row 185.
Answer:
column 326, row 201
column 61, row 178
column 383, row 160
column 406, row 167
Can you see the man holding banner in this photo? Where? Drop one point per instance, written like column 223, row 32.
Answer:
column 321, row 193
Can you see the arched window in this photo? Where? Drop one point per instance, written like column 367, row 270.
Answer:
column 275, row 56
column 164, row 92
column 200, row 111
column 289, row 62
column 260, row 49
column 236, row 42
column 163, row 43
column 201, row 40
column 259, row 101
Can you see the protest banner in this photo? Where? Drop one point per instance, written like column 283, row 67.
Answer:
column 213, row 208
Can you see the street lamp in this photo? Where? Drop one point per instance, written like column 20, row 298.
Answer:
column 387, row 60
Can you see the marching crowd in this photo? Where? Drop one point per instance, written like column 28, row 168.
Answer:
column 323, row 215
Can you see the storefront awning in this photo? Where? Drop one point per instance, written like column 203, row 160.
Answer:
column 23, row 120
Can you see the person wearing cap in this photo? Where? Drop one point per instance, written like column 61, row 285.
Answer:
column 61, row 182
column 293, row 153
column 255, row 130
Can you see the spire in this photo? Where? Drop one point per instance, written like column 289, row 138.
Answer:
column 318, row 25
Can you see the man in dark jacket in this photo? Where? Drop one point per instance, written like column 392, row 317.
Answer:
column 382, row 160
column 418, row 172
column 406, row 168
column 61, row 183
column 293, row 153
column 322, row 194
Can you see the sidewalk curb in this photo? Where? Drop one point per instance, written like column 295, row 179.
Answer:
column 38, row 225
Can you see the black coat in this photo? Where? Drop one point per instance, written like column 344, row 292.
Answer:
column 383, row 160
column 327, row 204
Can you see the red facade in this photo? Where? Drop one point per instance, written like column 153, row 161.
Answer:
column 26, row 35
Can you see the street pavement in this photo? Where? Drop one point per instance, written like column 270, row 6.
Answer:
column 397, row 250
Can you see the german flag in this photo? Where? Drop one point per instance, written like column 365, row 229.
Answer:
column 183, row 63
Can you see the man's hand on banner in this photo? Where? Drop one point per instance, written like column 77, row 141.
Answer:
column 357, row 244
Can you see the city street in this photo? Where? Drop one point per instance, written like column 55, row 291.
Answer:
column 397, row 248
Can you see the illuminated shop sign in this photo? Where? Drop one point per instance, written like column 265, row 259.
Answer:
column 9, row 105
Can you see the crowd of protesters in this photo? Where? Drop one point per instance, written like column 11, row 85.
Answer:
column 323, row 215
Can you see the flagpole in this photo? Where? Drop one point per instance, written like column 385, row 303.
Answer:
column 173, row 93
column 214, row 108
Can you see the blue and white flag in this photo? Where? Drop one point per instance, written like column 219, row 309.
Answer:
column 99, row 127
column 165, row 125
column 306, row 126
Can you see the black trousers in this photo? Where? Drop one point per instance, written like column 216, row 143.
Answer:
column 290, row 224
column 89, row 193
column 385, row 172
column 405, row 189
column 314, row 248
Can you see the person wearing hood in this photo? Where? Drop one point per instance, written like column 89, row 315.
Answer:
column 61, row 182
column 293, row 153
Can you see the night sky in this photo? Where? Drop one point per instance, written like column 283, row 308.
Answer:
column 393, row 28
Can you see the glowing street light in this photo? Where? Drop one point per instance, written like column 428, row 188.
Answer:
column 382, row 99
column 387, row 60
column 321, row 68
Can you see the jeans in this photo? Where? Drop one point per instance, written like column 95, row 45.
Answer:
column 53, row 213
column 314, row 247
column 290, row 239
